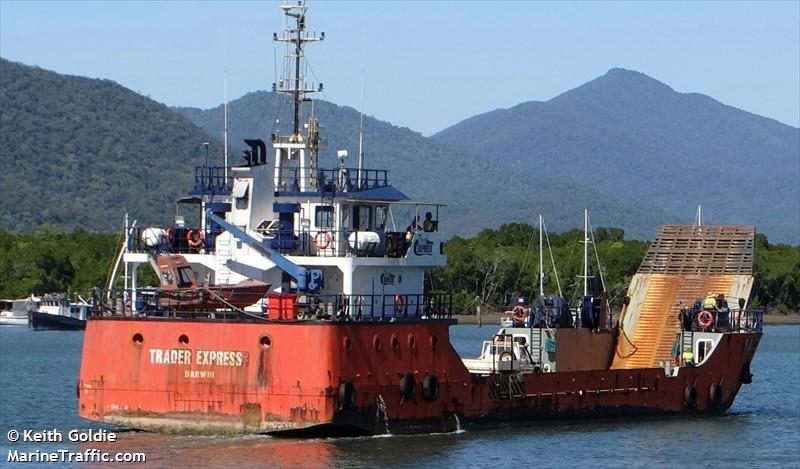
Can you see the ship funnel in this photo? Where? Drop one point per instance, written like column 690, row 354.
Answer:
column 258, row 151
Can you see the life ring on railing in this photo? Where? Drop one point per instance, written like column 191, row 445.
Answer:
column 705, row 319
column 195, row 238
column 322, row 240
column 168, row 236
column 519, row 313
column 399, row 304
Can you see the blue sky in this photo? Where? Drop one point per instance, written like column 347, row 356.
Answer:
column 427, row 65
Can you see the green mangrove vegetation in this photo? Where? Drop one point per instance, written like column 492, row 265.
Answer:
column 490, row 268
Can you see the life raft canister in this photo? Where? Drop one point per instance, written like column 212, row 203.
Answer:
column 322, row 240
column 408, row 386
column 347, row 395
column 399, row 304
column 430, row 387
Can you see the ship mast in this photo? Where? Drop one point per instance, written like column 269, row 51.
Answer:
column 295, row 157
column 293, row 83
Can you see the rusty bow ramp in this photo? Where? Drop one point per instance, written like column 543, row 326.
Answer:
column 684, row 263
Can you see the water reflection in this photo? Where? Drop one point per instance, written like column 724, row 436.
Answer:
column 269, row 452
column 215, row 451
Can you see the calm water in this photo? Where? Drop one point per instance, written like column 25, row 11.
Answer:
column 38, row 372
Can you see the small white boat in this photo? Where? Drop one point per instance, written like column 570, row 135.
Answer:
column 15, row 312
column 57, row 312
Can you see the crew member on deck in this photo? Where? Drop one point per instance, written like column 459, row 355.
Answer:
column 428, row 224
column 723, row 313
column 710, row 303
column 413, row 227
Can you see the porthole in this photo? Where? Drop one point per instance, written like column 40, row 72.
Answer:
column 376, row 343
column 412, row 342
column 265, row 342
column 395, row 342
column 137, row 339
column 183, row 339
column 434, row 342
column 347, row 344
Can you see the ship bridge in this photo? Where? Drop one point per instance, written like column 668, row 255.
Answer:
column 684, row 263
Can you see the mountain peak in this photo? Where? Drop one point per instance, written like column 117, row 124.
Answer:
column 617, row 83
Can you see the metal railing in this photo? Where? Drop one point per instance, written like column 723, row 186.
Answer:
column 204, row 303
column 730, row 320
column 333, row 243
column 173, row 240
column 377, row 307
column 333, row 180
column 211, row 180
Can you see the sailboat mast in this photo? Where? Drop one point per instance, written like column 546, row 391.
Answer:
column 541, row 259
column 585, row 252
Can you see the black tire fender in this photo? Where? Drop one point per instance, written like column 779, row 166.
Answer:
column 408, row 386
column 347, row 395
column 430, row 387
column 715, row 394
column 690, row 396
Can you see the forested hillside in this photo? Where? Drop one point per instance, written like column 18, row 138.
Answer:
column 78, row 152
column 639, row 141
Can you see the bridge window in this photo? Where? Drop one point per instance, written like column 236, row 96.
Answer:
column 364, row 222
column 323, row 216
column 380, row 218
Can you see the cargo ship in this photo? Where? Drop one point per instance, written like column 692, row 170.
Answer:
column 298, row 307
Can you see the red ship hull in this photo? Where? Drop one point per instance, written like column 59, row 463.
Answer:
column 339, row 378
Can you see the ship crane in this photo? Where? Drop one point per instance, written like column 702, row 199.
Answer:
column 307, row 279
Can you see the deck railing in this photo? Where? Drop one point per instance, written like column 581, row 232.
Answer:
column 313, row 243
column 212, row 180
column 202, row 303
column 333, row 180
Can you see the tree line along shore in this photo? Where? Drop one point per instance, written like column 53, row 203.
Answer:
column 489, row 269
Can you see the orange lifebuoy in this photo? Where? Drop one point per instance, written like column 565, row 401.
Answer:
column 399, row 304
column 322, row 240
column 168, row 235
column 705, row 318
column 195, row 238
column 519, row 313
